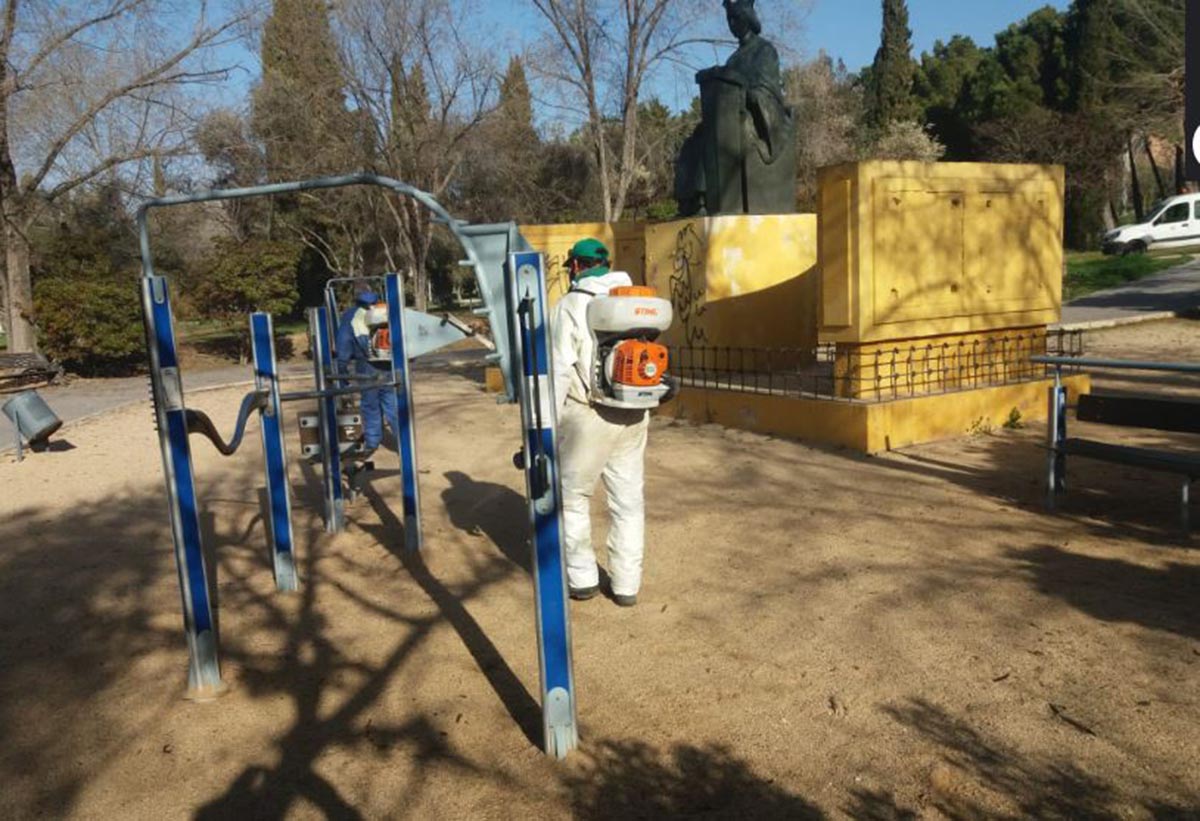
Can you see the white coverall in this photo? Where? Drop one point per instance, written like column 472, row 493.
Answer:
column 594, row 442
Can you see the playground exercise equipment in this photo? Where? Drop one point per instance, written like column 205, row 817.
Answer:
column 511, row 281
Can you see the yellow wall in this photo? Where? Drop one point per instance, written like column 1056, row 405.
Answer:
column 625, row 241
column 871, row 427
column 741, row 281
column 914, row 249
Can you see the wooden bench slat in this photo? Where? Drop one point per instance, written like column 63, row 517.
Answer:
column 1182, row 462
column 1179, row 415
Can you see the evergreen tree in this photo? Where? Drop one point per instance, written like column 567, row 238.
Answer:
column 890, row 81
column 1091, row 40
column 299, row 114
column 941, row 89
column 299, row 108
column 516, row 103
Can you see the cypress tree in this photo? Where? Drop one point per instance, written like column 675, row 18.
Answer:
column 1091, row 36
column 299, row 108
column 516, row 103
column 889, row 89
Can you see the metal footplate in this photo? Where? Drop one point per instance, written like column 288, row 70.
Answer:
column 527, row 293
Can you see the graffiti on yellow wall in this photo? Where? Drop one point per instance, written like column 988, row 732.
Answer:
column 687, row 284
column 737, row 281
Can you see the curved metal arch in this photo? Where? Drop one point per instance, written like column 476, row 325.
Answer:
column 494, row 293
column 214, row 194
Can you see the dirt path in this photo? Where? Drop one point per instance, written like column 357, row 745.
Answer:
column 820, row 634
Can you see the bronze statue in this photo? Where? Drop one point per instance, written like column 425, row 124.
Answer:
column 741, row 159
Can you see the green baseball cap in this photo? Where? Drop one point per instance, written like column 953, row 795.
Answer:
column 589, row 249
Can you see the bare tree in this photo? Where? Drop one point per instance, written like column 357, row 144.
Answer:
column 829, row 106
column 608, row 49
column 422, row 89
column 86, row 88
column 1147, row 55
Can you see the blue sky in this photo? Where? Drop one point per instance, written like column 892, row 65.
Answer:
column 849, row 29
column 846, row 29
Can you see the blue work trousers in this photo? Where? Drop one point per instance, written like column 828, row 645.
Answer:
column 378, row 406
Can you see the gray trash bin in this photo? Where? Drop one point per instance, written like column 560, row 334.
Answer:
column 32, row 418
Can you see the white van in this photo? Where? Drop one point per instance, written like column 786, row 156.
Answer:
column 1171, row 223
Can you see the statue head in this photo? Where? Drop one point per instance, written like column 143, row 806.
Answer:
column 742, row 18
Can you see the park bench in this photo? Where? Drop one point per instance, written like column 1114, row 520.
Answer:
column 1152, row 412
column 25, row 370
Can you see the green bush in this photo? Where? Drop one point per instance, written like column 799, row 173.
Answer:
column 241, row 277
column 92, row 327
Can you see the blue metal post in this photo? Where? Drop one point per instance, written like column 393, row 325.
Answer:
column 331, row 456
column 266, row 377
column 402, row 425
column 1056, row 433
column 528, row 295
column 204, row 670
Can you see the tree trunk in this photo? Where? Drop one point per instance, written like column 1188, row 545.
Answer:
column 3, row 301
column 1180, row 174
column 19, row 288
column 1162, row 189
column 1136, row 194
column 420, row 288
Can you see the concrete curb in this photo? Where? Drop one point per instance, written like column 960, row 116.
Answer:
column 7, row 449
column 1117, row 321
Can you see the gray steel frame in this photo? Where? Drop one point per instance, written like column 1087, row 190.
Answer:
column 1056, row 423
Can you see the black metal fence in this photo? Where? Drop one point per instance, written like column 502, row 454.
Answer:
column 874, row 372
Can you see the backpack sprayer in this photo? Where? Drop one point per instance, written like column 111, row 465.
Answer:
column 629, row 369
column 380, row 349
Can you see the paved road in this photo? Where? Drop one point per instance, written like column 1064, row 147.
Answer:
column 1170, row 293
column 83, row 398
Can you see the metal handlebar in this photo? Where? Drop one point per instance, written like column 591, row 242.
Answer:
column 198, row 422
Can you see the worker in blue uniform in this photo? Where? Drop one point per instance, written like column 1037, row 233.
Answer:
column 353, row 344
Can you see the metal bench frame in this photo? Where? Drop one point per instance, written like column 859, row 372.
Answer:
column 1126, row 411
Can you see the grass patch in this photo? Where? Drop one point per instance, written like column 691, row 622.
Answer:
column 213, row 331
column 1092, row 271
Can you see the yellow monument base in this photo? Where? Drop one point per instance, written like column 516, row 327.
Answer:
column 493, row 379
column 871, row 427
column 917, row 249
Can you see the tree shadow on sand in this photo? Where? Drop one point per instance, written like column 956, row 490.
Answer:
column 979, row 777
column 1112, row 590
column 633, row 780
column 312, row 664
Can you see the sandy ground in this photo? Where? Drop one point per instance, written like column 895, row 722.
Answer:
column 820, row 635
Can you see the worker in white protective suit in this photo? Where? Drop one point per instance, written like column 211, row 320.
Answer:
column 596, row 441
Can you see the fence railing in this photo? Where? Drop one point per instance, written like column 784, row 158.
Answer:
column 874, row 372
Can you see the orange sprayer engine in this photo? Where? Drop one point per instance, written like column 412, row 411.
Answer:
column 629, row 367
column 381, row 338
